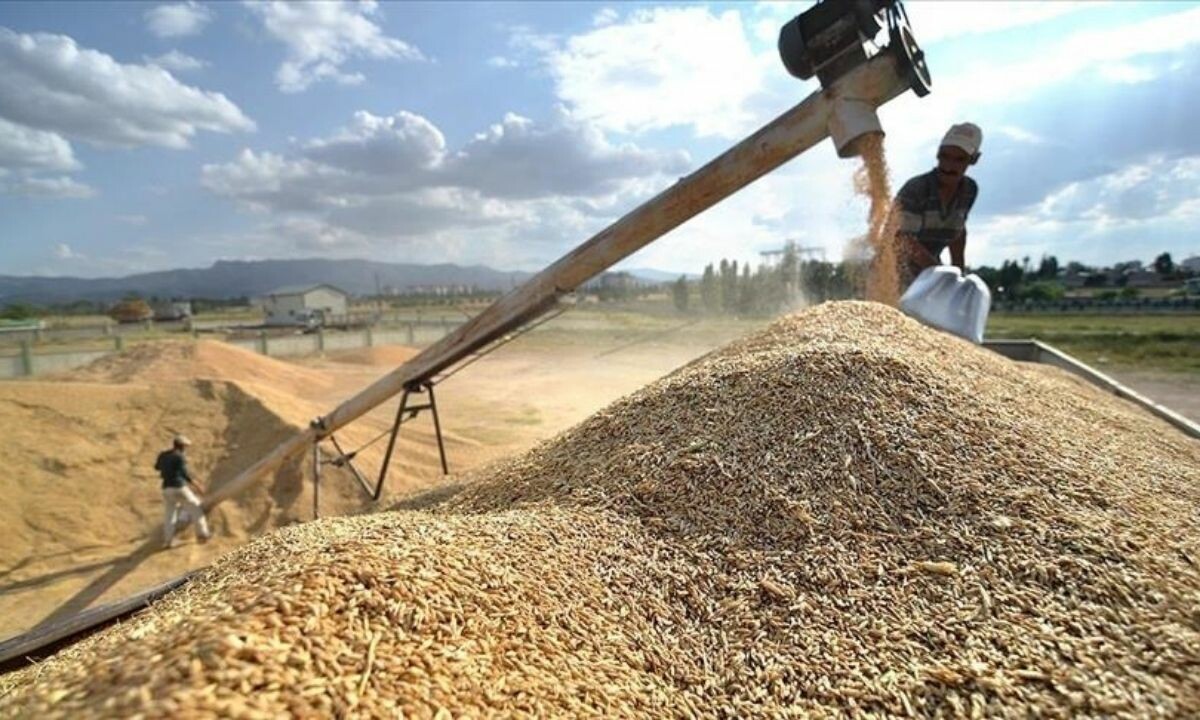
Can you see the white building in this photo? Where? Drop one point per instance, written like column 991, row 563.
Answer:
column 1191, row 264
column 307, row 305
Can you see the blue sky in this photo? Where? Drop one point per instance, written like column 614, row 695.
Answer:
column 141, row 136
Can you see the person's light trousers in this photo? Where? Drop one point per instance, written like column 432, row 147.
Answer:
column 173, row 500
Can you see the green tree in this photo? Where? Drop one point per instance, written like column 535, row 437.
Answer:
column 788, row 276
column 1164, row 265
column 729, row 286
column 990, row 277
column 19, row 311
column 710, row 290
column 1010, row 277
column 1048, row 267
column 679, row 291
column 747, row 300
column 1042, row 292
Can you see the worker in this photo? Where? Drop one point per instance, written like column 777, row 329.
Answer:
column 172, row 466
column 934, row 206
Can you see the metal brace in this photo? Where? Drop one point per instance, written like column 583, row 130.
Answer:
column 404, row 413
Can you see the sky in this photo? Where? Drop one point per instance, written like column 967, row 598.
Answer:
column 139, row 136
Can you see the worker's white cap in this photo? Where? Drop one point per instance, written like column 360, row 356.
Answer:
column 967, row 136
column 182, row 441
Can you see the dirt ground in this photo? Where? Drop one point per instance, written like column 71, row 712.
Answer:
column 1178, row 391
column 82, row 517
column 84, row 521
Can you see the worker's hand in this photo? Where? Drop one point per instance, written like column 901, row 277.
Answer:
column 918, row 254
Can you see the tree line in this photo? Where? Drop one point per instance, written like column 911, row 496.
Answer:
column 728, row 288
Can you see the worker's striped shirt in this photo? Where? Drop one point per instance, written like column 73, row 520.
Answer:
column 922, row 214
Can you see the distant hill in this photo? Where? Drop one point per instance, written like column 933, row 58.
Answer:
column 236, row 278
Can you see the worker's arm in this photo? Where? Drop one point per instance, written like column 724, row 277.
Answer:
column 958, row 248
column 913, row 251
column 183, row 470
column 908, row 205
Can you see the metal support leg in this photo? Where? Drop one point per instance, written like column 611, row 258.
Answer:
column 316, row 480
column 387, row 457
column 348, row 460
column 344, row 458
column 437, row 428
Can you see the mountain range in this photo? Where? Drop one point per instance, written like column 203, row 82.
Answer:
column 249, row 278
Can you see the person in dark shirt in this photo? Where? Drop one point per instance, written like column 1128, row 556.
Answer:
column 172, row 467
column 934, row 206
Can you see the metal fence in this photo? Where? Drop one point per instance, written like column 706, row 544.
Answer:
column 1129, row 306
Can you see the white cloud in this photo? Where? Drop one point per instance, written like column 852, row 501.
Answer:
column 1106, row 51
column 524, row 40
column 60, row 187
column 1020, row 134
column 400, row 145
column 1139, row 199
column 605, row 16
column 1157, row 188
column 1127, row 73
column 499, row 61
column 376, row 156
column 24, row 148
column 49, row 83
column 659, row 68
column 953, row 19
column 519, row 186
column 63, row 251
column 176, row 61
column 131, row 219
column 178, row 19
column 322, row 36
column 517, row 158
column 267, row 181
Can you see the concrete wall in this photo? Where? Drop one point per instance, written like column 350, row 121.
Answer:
column 13, row 365
column 44, row 363
column 346, row 340
column 291, row 346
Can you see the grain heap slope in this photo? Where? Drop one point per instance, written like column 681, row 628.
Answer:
column 845, row 512
column 210, row 359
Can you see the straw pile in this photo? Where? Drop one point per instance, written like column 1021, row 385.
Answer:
column 845, row 513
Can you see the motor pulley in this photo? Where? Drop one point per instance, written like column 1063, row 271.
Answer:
column 830, row 39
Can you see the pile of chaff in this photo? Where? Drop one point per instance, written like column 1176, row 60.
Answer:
column 847, row 512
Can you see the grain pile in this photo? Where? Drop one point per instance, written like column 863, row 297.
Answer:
column 379, row 355
column 79, row 488
column 185, row 360
column 846, row 512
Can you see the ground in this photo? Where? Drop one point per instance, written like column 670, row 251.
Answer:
column 86, row 500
